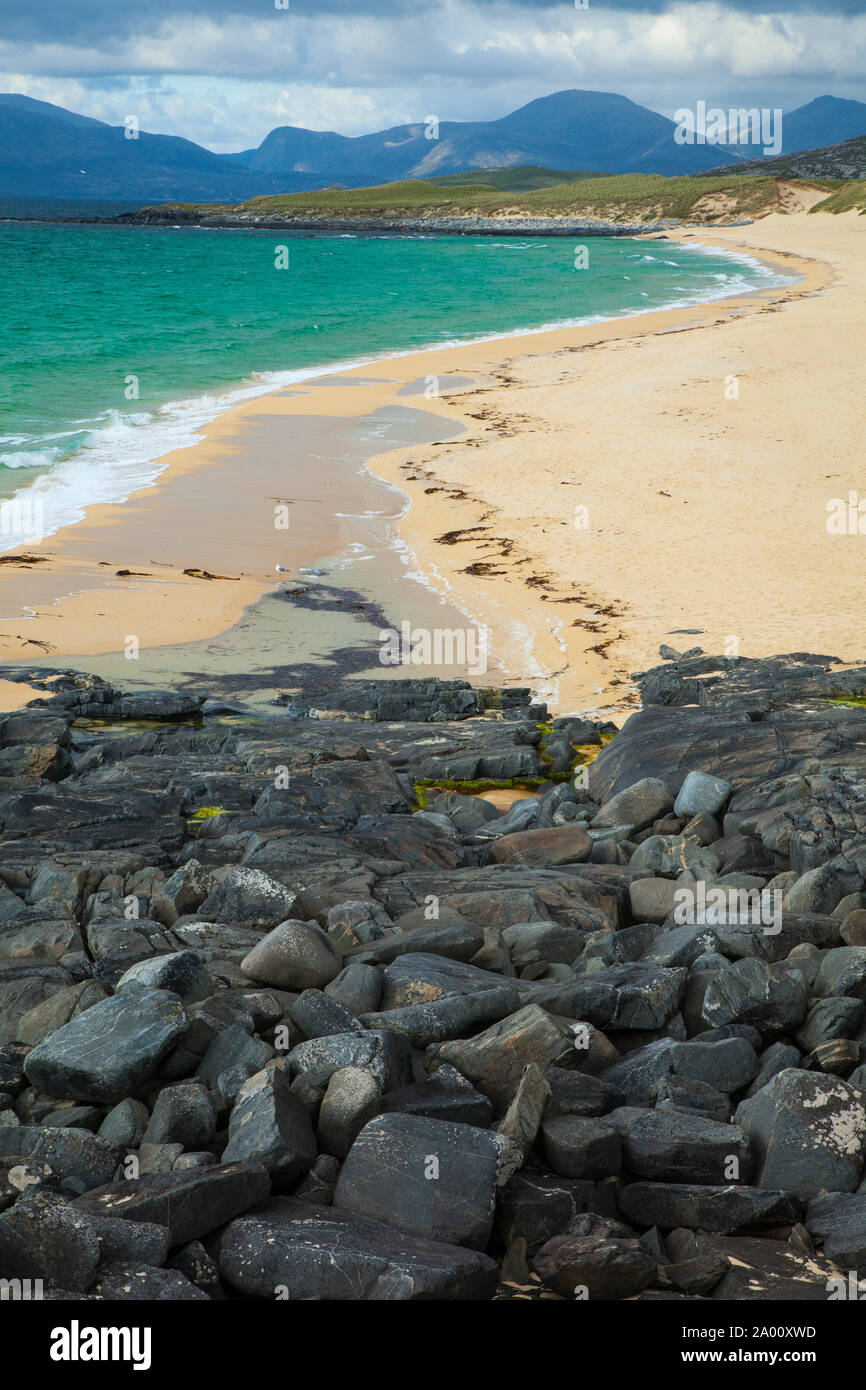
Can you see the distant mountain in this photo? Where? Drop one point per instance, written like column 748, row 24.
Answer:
column 824, row 121
column 594, row 131
column 48, row 152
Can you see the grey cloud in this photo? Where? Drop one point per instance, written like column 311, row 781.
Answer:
column 97, row 22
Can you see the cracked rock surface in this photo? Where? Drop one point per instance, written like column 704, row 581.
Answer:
column 289, row 1008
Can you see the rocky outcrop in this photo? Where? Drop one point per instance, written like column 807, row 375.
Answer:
column 289, row 1012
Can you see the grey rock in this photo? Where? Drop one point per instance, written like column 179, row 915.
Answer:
column 534, row 1206
column 682, row 1093
column 724, row 1209
column 357, row 988
column 623, row 997
column 299, row 1251
column 58, row 1009
column 563, row 844
column 767, row 1271
column 353, row 1096
column 451, row 1017
column 182, row 893
column 387, row 1055
column 728, row 1065
column 248, row 897
column 494, row 1059
column 808, row 1133
column 430, row 1178
column 578, row 1147
column 231, row 1048
column 457, row 941
column 838, row 1221
column 577, row 1093
column 638, row 805
column 522, row 815
column 196, row 1265
column 190, row 1203
column 317, row 1185
column 830, row 1019
column 295, row 955
column 547, row 941
column 109, row 1051
column 523, row 1117
column 125, row 1124
column 157, row 1158
column 181, row 972
column 842, row 972
column 777, row 1057
column 269, row 1125
column 749, row 991
column 418, row 977
column 139, row 1282
column 467, row 813
column 668, row 855
column 184, row 1115
column 653, row 899
column 635, row 1076
column 446, row 1095
column 43, row 1237
column 676, row 1146
column 357, row 920
column 701, row 793
column 79, row 1159
column 130, row 1241
column 853, row 928
column 318, row 1016
column 594, row 1267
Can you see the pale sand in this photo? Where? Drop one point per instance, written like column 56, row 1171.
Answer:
column 749, row 560
column 15, row 694
column 704, row 512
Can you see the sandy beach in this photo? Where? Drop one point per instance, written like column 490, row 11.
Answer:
column 586, row 493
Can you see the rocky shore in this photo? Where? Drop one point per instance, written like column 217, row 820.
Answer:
column 172, row 216
column 289, row 1010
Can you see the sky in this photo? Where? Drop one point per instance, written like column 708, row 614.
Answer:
column 225, row 72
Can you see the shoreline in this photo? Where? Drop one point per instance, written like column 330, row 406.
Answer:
column 217, row 403
column 210, row 607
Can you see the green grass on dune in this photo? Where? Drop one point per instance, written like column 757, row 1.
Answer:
column 531, row 191
column 518, row 178
column 851, row 197
column 623, row 197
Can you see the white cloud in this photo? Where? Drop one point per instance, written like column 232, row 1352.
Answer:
column 226, row 81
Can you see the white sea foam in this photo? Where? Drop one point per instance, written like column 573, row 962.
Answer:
column 30, row 458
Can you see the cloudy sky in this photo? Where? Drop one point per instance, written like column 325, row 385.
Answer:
column 224, row 72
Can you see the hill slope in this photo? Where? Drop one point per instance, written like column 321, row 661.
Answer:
column 844, row 161
column 824, row 121
column 623, row 200
column 518, row 178
column 595, row 131
column 48, row 152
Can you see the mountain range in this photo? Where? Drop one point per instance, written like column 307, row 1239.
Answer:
column 49, row 152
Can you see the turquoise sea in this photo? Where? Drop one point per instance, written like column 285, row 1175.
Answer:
column 119, row 343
